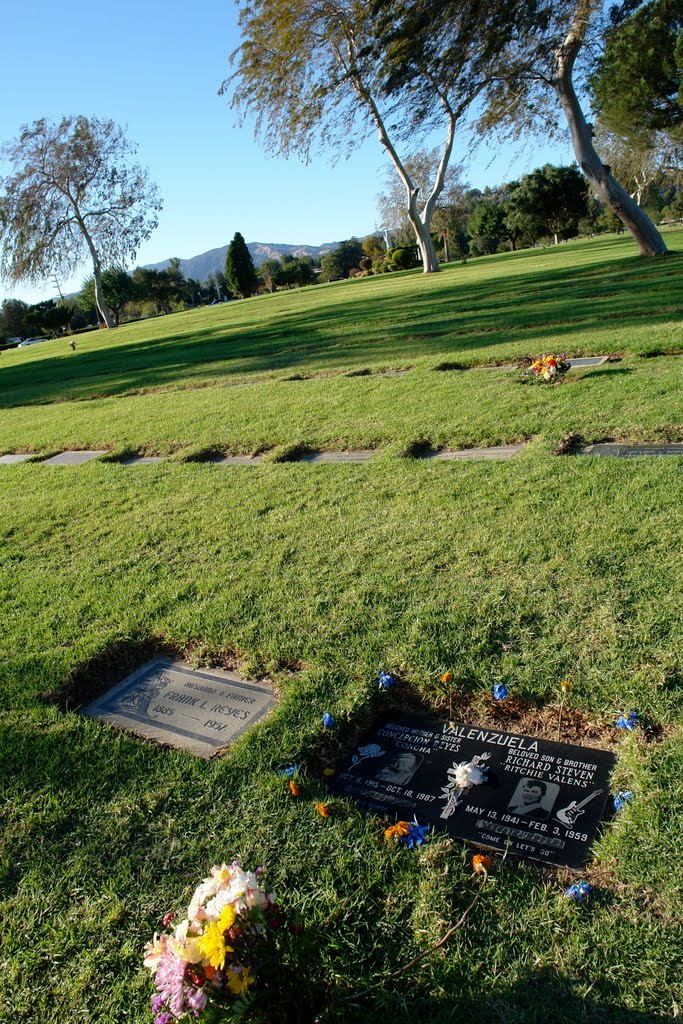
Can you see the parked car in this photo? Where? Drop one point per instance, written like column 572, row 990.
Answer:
column 30, row 341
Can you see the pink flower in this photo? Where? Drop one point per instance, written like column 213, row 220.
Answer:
column 169, row 983
column 167, row 919
column 196, row 998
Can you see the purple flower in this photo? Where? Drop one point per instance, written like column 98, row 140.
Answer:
column 578, row 892
column 627, row 721
column 622, row 798
column 157, row 1004
column 163, row 1018
column 500, row 691
column 328, row 720
column 416, row 836
column 169, row 981
column 385, row 680
column 196, row 999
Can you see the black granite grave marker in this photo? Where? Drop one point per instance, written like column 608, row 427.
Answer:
column 541, row 800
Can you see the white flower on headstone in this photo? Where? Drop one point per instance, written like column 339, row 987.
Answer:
column 461, row 777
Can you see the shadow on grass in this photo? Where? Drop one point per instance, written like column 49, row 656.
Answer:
column 342, row 328
column 546, row 996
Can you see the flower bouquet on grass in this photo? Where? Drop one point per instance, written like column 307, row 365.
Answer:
column 212, row 958
column 546, row 370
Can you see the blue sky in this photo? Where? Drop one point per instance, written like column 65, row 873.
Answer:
column 156, row 68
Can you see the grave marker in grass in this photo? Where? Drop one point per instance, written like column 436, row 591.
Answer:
column 632, row 451
column 540, row 799
column 198, row 710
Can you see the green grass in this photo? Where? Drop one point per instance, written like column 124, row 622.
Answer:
column 524, row 572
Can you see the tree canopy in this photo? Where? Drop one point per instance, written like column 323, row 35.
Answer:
column 637, row 84
column 74, row 191
column 328, row 74
column 239, row 268
column 541, row 57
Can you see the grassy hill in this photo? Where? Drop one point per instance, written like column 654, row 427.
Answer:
column 526, row 572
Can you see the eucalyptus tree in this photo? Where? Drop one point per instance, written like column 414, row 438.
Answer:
column 329, row 72
column 549, row 66
column 545, row 53
column 74, row 192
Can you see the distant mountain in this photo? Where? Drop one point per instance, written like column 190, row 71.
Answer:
column 209, row 262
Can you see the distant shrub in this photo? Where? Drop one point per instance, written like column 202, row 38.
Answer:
column 403, row 259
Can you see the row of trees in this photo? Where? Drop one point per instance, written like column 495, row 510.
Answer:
column 311, row 73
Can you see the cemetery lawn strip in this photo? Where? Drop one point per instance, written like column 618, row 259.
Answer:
column 498, row 572
column 524, row 572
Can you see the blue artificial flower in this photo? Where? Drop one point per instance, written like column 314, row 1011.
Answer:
column 500, row 691
column 627, row 721
column 579, row 892
column 622, row 798
column 416, row 836
column 287, row 773
column 328, row 720
column 385, row 680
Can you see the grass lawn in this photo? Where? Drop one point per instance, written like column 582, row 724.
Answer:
column 526, row 572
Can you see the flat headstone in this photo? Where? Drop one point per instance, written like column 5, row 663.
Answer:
column 588, row 361
column 199, row 710
column 357, row 456
column 73, row 458
column 632, row 451
column 542, row 800
column 503, row 366
column 11, row 459
column 504, row 451
column 236, row 460
column 142, row 460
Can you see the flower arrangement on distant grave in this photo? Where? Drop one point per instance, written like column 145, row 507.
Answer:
column 214, row 956
column 546, row 370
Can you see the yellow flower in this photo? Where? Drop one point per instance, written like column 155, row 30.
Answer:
column 324, row 810
column 566, row 686
column 446, row 677
column 401, row 828
column 481, row 864
column 227, row 918
column 239, row 981
column 328, row 772
column 212, row 945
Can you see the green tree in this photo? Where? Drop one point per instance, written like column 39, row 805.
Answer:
column 155, row 286
column 337, row 263
column 270, row 272
column 13, row 319
column 374, row 247
column 487, row 225
column 239, row 268
column 119, row 288
column 48, row 317
column 637, row 85
column 73, row 190
column 554, row 198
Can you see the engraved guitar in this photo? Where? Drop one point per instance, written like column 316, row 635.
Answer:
column 570, row 815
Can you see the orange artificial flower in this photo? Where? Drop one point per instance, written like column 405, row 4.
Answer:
column 401, row 828
column 295, row 788
column 446, row 677
column 480, row 864
column 324, row 810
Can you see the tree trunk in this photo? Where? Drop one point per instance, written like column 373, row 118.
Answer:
column 96, row 271
column 99, row 294
column 430, row 263
column 605, row 186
